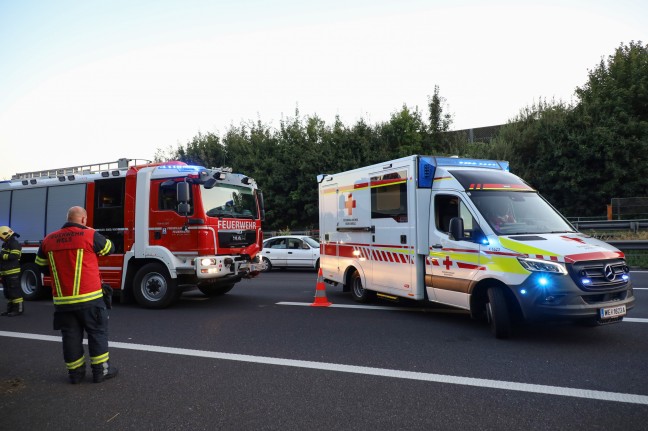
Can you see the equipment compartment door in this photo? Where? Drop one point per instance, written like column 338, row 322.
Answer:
column 392, row 245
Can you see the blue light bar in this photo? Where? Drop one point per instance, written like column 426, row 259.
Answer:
column 473, row 163
column 183, row 168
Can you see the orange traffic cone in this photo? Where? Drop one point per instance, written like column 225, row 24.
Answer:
column 320, row 292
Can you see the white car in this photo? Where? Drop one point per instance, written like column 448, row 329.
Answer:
column 291, row 251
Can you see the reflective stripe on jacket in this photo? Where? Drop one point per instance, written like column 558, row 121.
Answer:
column 71, row 253
column 10, row 257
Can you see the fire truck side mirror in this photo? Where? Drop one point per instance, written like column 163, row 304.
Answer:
column 184, row 209
column 261, row 204
column 182, row 196
column 182, row 192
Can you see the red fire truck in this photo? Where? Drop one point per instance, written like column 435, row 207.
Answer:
column 173, row 225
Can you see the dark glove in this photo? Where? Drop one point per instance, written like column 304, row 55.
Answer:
column 107, row 294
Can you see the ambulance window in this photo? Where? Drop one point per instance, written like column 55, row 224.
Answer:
column 445, row 208
column 449, row 206
column 389, row 196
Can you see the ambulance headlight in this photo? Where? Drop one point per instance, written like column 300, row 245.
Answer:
column 539, row 265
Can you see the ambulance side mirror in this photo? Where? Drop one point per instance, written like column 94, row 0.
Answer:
column 456, row 228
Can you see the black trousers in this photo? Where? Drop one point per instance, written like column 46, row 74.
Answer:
column 11, row 285
column 92, row 320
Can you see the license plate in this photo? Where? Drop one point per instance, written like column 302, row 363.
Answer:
column 610, row 312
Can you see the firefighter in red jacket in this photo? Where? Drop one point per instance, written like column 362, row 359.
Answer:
column 10, row 271
column 71, row 253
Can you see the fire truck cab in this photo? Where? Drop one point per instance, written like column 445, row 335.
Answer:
column 173, row 225
column 469, row 234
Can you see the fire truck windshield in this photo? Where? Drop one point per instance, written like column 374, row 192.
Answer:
column 515, row 213
column 230, row 201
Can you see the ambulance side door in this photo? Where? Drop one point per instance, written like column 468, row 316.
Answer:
column 393, row 232
column 453, row 262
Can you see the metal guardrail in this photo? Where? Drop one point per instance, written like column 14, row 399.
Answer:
column 632, row 225
column 629, row 244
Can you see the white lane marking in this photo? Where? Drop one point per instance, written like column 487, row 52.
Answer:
column 428, row 310
column 640, row 288
column 376, row 307
column 370, row 371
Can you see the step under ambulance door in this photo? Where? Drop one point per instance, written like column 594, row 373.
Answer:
column 392, row 239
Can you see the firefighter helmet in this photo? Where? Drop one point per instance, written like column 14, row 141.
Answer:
column 5, row 232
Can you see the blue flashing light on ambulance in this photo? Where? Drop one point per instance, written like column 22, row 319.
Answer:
column 469, row 234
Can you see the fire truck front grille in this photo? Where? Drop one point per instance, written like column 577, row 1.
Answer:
column 236, row 239
column 602, row 275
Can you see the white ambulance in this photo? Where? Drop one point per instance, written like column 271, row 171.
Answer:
column 469, row 234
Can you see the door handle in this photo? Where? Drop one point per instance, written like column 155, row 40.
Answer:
column 437, row 246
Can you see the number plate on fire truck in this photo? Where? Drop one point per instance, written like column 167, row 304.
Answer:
column 610, row 312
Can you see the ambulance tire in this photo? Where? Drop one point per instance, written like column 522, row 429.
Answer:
column 153, row 287
column 30, row 282
column 498, row 313
column 358, row 292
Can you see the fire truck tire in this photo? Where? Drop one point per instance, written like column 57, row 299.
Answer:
column 358, row 292
column 153, row 287
column 498, row 313
column 268, row 264
column 30, row 282
column 215, row 289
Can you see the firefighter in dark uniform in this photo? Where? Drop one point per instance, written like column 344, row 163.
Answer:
column 10, row 271
column 71, row 253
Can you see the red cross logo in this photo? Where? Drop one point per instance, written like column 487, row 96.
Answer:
column 349, row 204
column 447, row 262
column 569, row 238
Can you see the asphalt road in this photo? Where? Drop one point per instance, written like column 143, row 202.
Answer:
column 261, row 358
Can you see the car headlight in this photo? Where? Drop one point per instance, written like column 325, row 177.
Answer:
column 539, row 265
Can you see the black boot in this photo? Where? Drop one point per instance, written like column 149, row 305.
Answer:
column 17, row 310
column 10, row 309
column 103, row 372
column 77, row 375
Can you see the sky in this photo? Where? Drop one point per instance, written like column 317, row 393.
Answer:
column 92, row 81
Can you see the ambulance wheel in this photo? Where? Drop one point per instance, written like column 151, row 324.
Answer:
column 153, row 287
column 30, row 282
column 358, row 292
column 498, row 314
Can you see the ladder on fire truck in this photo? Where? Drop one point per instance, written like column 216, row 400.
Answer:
column 120, row 164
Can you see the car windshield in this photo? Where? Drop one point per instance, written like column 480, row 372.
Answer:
column 230, row 201
column 515, row 213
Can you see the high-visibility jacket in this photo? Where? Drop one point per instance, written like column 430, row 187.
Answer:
column 10, row 257
column 71, row 253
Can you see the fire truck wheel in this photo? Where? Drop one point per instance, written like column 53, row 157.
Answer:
column 30, row 282
column 358, row 292
column 498, row 313
column 215, row 289
column 153, row 287
column 268, row 264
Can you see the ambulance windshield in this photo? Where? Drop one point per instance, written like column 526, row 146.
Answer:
column 230, row 201
column 516, row 213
